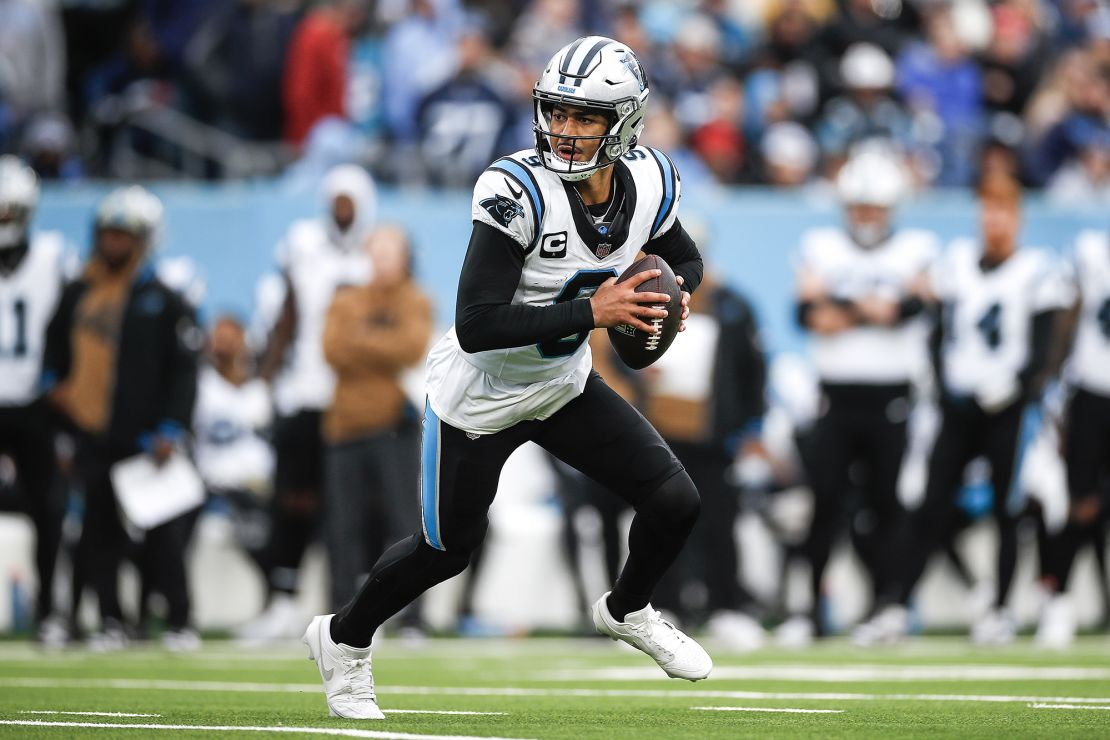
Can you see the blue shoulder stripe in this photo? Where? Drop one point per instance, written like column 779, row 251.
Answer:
column 526, row 180
column 669, row 174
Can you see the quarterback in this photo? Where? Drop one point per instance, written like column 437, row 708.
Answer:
column 552, row 229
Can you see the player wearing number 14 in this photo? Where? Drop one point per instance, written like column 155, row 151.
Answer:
column 552, row 229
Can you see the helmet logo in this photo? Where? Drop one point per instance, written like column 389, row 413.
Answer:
column 633, row 66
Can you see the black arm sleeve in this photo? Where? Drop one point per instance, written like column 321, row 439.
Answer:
column 485, row 316
column 1040, row 342
column 679, row 251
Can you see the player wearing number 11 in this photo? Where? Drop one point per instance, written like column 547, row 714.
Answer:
column 552, row 229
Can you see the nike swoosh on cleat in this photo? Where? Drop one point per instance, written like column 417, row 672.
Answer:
column 327, row 673
column 516, row 193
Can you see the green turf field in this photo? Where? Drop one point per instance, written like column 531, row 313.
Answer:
column 558, row 688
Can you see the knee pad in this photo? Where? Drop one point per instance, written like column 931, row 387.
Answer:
column 675, row 501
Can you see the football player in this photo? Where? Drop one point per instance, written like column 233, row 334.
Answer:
column 316, row 257
column 32, row 273
column 1086, row 429
column 998, row 305
column 552, row 228
column 859, row 294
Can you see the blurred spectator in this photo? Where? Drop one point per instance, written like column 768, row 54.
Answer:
column 735, row 39
column 719, row 140
column 121, row 365
column 866, row 111
column 419, row 54
column 32, row 58
column 882, row 24
column 32, row 275
column 1013, row 62
column 49, row 145
column 235, row 63
column 232, row 415
column 316, row 257
column 1086, row 119
column 697, row 66
column 1084, row 180
column 943, row 85
column 464, row 123
column 789, row 155
column 372, row 335
column 545, row 24
column 783, row 82
column 314, row 83
column 662, row 131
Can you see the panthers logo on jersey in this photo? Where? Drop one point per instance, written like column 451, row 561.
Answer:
column 503, row 209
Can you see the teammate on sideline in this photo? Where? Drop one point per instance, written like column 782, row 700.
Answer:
column 1086, row 429
column 552, row 229
column 32, row 275
column 859, row 294
column 998, row 304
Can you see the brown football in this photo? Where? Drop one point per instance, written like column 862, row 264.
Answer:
column 637, row 348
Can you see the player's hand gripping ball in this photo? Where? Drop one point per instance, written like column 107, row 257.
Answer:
column 635, row 347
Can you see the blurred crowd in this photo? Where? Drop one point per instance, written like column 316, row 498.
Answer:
column 429, row 91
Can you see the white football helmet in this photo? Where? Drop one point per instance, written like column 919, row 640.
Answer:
column 599, row 74
column 133, row 209
column 871, row 178
column 19, row 194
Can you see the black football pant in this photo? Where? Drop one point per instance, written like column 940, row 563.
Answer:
column 710, row 557
column 296, row 504
column 26, row 435
column 859, row 443
column 598, row 433
column 1087, row 445
column 966, row 432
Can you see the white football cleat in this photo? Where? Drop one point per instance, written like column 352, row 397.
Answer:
column 737, row 630
column 996, row 627
column 184, row 640
column 348, row 682
column 796, row 633
column 1057, row 626
column 889, row 626
column 646, row 630
column 281, row 620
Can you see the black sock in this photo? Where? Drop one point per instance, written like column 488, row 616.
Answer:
column 620, row 603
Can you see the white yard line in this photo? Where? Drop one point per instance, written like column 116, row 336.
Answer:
column 847, row 673
column 337, row 731
column 784, row 710
column 443, row 711
column 280, row 688
column 1068, row 706
column 87, row 714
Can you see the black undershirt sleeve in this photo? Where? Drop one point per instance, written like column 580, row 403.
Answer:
column 485, row 316
column 679, row 251
column 1040, row 342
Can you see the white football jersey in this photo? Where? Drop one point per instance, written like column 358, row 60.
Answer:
column 565, row 258
column 316, row 268
column 1090, row 361
column 869, row 354
column 988, row 315
column 227, row 421
column 28, row 299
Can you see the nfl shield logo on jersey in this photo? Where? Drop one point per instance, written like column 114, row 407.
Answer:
column 602, row 250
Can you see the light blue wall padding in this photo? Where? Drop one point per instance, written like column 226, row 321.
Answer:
column 231, row 230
